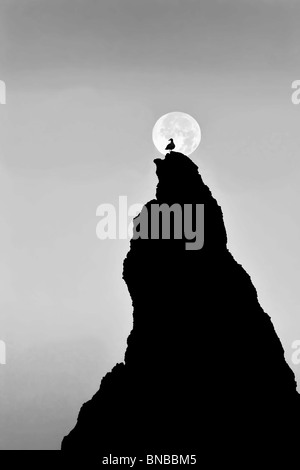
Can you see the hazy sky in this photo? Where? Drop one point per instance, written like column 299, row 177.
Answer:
column 86, row 81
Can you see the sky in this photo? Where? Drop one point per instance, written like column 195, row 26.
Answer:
column 86, row 81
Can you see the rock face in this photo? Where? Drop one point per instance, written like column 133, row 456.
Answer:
column 204, row 371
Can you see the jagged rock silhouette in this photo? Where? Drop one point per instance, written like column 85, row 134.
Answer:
column 204, row 371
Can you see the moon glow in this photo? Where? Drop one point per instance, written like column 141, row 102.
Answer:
column 183, row 128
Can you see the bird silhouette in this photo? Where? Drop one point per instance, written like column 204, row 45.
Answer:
column 171, row 145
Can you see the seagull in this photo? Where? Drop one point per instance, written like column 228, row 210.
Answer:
column 171, row 145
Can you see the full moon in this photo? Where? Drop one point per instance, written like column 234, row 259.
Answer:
column 181, row 127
